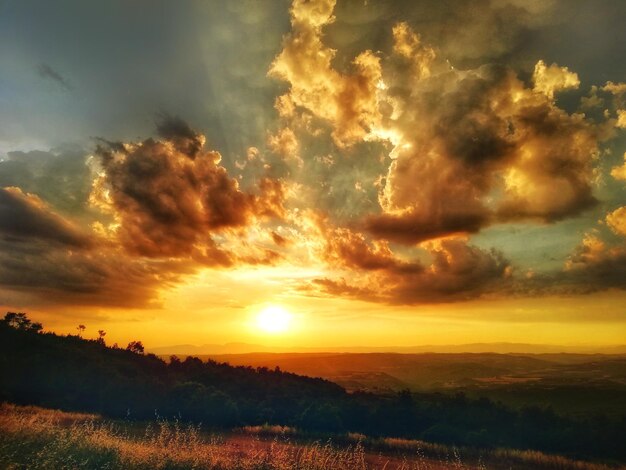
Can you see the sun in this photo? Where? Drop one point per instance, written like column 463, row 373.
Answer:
column 273, row 319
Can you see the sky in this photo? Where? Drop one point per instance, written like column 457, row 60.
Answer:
column 384, row 173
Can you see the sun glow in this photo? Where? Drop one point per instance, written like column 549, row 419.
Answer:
column 273, row 319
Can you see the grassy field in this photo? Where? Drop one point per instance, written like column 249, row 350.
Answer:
column 36, row 438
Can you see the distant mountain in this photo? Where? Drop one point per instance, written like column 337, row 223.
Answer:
column 193, row 350
column 501, row 348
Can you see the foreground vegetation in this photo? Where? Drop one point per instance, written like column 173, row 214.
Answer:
column 71, row 373
column 36, row 438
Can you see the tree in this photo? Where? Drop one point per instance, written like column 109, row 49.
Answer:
column 81, row 329
column 20, row 321
column 101, row 335
column 136, row 347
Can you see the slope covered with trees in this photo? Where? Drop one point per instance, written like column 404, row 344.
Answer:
column 72, row 373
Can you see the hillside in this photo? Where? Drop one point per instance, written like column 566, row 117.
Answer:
column 71, row 373
column 77, row 374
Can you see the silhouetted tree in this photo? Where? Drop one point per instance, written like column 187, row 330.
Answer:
column 136, row 347
column 20, row 321
column 81, row 330
column 101, row 335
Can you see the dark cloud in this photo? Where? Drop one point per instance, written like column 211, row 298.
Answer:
column 45, row 71
column 340, row 288
column 100, row 277
column 345, row 247
column 170, row 198
column 415, row 227
column 49, row 257
column 177, row 131
column 24, row 217
column 279, row 239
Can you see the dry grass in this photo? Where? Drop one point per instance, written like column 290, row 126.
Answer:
column 32, row 438
column 268, row 430
column 35, row 438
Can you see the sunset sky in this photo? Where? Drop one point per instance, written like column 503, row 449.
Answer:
column 384, row 173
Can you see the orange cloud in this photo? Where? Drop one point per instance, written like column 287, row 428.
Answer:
column 285, row 144
column 456, row 270
column 169, row 197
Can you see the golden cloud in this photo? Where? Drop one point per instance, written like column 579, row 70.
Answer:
column 616, row 220
column 305, row 62
column 619, row 172
column 456, row 270
column 169, row 197
column 552, row 79
column 469, row 148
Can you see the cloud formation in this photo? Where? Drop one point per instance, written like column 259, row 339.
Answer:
column 419, row 155
column 616, row 220
column 25, row 217
column 593, row 266
column 46, row 255
column 169, row 197
column 306, row 63
column 89, row 277
column 158, row 210
column 468, row 148
column 454, row 270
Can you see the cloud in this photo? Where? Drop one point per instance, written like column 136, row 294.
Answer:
column 616, row 220
column 306, row 63
column 168, row 197
column 285, row 144
column 552, row 79
column 90, row 277
column 60, row 176
column 469, row 148
column 178, row 132
column 594, row 266
column 25, row 217
column 49, row 257
column 158, row 210
column 455, row 271
column 47, row 72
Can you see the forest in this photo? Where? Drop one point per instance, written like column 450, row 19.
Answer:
column 76, row 374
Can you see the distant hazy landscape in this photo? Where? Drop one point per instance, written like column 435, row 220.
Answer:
column 502, row 348
column 572, row 383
